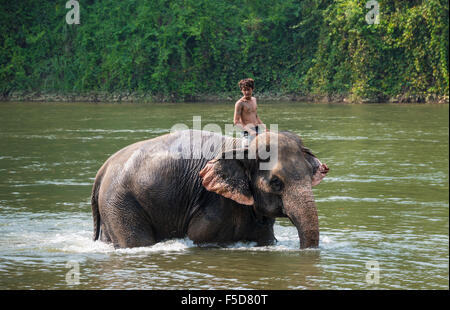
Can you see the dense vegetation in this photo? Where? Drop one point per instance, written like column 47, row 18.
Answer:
column 183, row 48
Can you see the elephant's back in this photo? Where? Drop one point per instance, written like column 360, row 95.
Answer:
column 184, row 143
column 148, row 156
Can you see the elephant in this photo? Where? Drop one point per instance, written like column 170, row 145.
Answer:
column 147, row 192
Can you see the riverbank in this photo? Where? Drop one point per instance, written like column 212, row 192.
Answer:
column 130, row 97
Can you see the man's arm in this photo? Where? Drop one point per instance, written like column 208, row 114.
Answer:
column 259, row 121
column 260, row 124
column 237, row 115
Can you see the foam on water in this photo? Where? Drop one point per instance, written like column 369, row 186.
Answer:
column 287, row 240
column 81, row 242
column 72, row 234
column 173, row 245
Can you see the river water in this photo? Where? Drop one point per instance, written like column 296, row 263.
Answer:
column 383, row 208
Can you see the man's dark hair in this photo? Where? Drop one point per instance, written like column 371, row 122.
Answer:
column 247, row 83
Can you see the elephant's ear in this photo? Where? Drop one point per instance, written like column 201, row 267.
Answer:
column 311, row 158
column 229, row 178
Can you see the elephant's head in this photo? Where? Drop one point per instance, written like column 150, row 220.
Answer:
column 285, row 189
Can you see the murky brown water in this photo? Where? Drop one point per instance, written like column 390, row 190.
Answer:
column 383, row 209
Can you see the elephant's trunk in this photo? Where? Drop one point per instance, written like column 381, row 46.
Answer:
column 301, row 209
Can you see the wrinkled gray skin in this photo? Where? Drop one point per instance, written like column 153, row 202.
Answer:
column 146, row 193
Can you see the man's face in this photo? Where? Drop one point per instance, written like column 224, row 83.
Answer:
column 247, row 92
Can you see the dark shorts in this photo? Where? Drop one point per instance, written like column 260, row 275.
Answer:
column 246, row 133
column 247, row 137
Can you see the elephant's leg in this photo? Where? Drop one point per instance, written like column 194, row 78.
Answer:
column 224, row 224
column 104, row 234
column 127, row 226
column 266, row 237
column 211, row 225
column 201, row 230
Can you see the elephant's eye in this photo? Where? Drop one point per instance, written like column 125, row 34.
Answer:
column 276, row 184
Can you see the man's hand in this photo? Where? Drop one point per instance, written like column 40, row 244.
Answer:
column 250, row 128
column 252, row 132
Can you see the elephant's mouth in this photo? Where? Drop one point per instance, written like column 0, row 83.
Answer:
column 281, row 205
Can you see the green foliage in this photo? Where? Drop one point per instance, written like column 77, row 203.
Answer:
column 406, row 53
column 183, row 48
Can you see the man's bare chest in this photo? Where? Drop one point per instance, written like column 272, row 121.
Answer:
column 249, row 107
